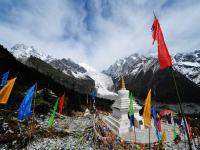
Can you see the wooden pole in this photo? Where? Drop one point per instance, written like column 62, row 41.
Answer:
column 134, row 128
column 149, row 138
column 130, row 129
column 34, row 99
column 135, row 138
column 87, row 99
column 181, row 109
column 31, row 127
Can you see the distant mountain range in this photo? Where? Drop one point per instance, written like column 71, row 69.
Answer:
column 79, row 73
column 187, row 64
column 142, row 72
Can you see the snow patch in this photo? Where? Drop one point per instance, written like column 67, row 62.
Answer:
column 103, row 83
column 194, row 64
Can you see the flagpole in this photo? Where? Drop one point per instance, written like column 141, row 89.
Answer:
column 149, row 139
column 133, row 120
column 154, row 14
column 180, row 105
column 134, row 128
column 90, row 105
column 33, row 111
column 34, row 99
column 130, row 129
column 87, row 99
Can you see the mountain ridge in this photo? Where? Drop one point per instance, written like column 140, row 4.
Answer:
column 142, row 73
column 186, row 63
column 68, row 67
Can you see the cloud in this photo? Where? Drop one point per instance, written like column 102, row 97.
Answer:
column 98, row 32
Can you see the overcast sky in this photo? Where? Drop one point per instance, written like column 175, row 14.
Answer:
column 98, row 32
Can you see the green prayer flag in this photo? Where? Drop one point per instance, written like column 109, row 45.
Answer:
column 131, row 105
column 174, row 126
column 175, row 131
column 51, row 119
column 138, row 147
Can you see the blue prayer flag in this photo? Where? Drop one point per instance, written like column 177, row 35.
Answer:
column 131, row 121
column 25, row 108
column 153, row 112
column 4, row 78
column 93, row 94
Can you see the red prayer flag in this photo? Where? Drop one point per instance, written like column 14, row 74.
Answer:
column 159, row 124
column 163, row 54
column 61, row 104
column 189, row 128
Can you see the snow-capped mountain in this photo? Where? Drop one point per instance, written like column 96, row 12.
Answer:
column 187, row 64
column 22, row 52
column 103, row 82
column 129, row 65
column 142, row 72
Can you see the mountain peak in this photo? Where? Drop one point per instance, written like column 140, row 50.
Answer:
column 19, row 46
column 23, row 52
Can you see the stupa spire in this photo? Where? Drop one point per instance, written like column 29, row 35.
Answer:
column 123, row 84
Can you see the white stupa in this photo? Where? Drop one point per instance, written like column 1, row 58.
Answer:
column 118, row 121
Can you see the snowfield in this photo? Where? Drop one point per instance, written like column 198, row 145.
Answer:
column 103, row 83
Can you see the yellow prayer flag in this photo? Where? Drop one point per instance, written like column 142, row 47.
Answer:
column 163, row 137
column 6, row 90
column 147, row 110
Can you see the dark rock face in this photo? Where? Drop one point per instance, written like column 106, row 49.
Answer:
column 188, row 57
column 76, row 84
column 67, row 65
column 162, row 85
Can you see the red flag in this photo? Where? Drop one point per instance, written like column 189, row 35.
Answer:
column 189, row 128
column 61, row 104
column 163, row 54
column 159, row 124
